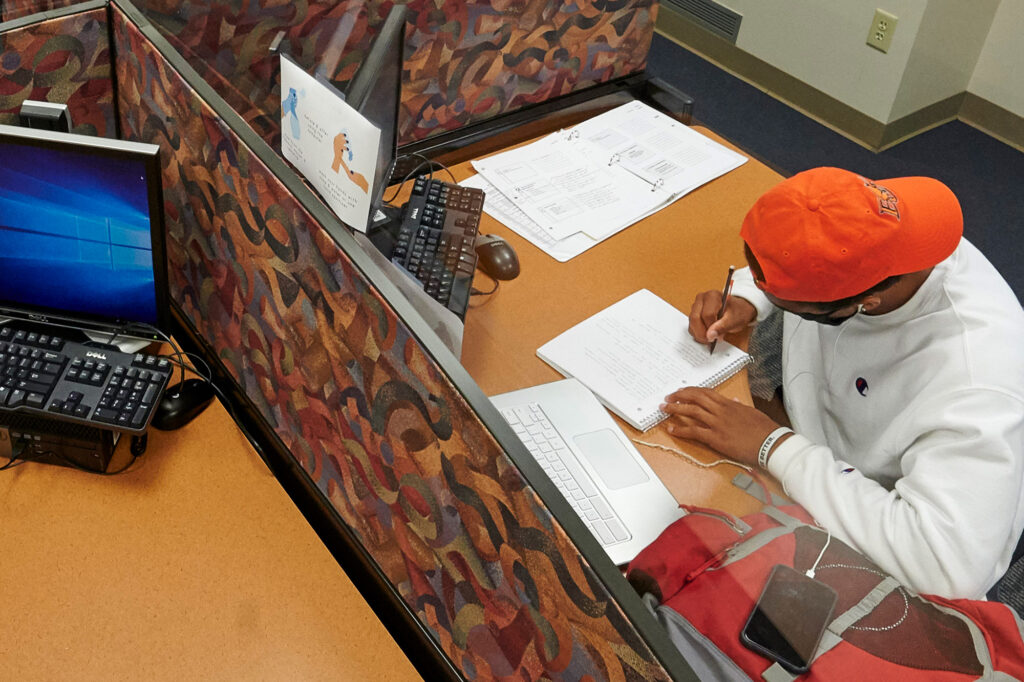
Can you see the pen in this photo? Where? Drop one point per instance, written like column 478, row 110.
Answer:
column 725, row 300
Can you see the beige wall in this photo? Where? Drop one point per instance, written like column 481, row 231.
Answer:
column 999, row 74
column 945, row 53
column 940, row 48
column 823, row 45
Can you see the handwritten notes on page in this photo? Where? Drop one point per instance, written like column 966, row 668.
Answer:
column 658, row 148
column 635, row 352
column 603, row 175
column 565, row 187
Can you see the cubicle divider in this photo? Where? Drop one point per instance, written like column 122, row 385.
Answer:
column 62, row 57
column 405, row 457
column 468, row 64
column 465, row 62
column 15, row 9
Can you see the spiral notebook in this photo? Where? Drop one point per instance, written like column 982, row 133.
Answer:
column 637, row 351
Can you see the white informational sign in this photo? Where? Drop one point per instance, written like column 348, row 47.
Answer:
column 329, row 142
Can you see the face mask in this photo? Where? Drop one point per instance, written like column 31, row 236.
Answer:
column 826, row 318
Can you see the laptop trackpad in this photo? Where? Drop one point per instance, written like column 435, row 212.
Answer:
column 613, row 462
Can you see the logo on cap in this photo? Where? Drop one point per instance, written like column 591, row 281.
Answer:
column 888, row 202
column 862, row 385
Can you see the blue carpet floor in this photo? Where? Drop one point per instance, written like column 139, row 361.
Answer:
column 986, row 174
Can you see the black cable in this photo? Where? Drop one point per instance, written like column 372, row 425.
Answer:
column 178, row 353
column 476, row 292
column 138, row 444
column 398, row 188
column 177, row 358
column 431, row 163
column 15, row 459
column 205, row 374
column 414, row 171
column 228, row 404
column 117, row 332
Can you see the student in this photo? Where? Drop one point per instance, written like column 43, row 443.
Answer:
column 902, row 376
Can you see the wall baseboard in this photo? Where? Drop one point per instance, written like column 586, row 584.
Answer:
column 993, row 120
column 849, row 122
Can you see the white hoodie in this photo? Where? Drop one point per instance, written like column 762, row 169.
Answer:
column 910, row 427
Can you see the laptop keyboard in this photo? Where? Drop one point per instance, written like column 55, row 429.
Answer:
column 50, row 376
column 542, row 440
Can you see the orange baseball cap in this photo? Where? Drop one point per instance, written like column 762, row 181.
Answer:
column 827, row 234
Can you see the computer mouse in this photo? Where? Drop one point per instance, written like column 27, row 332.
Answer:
column 496, row 257
column 181, row 403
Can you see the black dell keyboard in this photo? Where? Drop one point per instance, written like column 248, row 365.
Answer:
column 436, row 240
column 63, row 379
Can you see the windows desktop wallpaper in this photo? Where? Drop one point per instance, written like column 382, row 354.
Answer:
column 75, row 233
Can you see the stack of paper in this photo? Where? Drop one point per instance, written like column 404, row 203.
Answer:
column 572, row 189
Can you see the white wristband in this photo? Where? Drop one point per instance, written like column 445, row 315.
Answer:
column 769, row 443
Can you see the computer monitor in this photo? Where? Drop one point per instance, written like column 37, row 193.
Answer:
column 375, row 92
column 82, row 233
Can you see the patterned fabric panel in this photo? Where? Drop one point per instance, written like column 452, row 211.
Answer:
column 15, row 9
column 64, row 60
column 469, row 61
column 465, row 61
column 364, row 410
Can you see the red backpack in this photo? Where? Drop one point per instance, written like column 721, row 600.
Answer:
column 704, row 573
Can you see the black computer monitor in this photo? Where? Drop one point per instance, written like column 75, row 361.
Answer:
column 375, row 92
column 82, row 233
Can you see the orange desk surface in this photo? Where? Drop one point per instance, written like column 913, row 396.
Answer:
column 679, row 251
column 193, row 565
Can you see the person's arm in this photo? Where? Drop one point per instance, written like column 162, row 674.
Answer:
column 745, row 305
column 743, row 287
column 950, row 523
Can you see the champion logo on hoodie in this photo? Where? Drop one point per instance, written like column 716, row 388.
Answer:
column 862, row 385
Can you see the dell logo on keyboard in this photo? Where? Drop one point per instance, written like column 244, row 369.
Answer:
column 98, row 356
column 415, row 213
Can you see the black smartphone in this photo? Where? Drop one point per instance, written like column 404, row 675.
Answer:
column 789, row 619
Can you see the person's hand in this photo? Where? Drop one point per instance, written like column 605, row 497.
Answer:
column 722, row 424
column 704, row 323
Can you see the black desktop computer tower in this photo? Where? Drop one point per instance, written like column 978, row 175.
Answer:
column 55, row 442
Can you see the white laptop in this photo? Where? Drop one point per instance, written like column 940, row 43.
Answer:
column 592, row 462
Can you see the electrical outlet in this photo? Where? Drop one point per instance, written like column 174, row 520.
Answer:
column 882, row 27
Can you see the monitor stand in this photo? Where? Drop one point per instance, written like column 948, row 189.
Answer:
column 126, row 344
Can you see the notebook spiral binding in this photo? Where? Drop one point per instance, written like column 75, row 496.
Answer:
column 652, row 420
column 726, row 372
column 656, row 417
